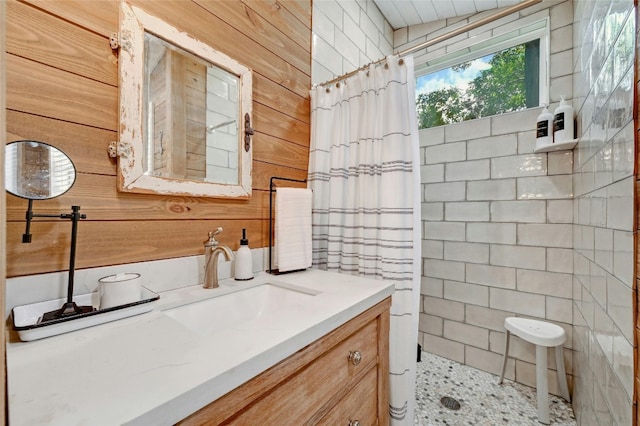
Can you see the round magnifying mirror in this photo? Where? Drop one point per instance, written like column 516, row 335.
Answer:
column 37, row 171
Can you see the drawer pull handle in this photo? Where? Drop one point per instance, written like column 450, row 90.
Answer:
column 355, row 357
column 354, row 423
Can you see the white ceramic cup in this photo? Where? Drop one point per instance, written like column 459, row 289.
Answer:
column 119, row 289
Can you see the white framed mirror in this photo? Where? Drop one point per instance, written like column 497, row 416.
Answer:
column 185, row 113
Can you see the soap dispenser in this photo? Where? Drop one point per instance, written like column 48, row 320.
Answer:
column 244, row 263
column 563, row 123
column 544, row 129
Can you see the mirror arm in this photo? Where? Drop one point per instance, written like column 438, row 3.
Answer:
column 26, row 237
column 29, row 215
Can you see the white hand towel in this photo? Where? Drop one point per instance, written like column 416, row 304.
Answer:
column 293, row 228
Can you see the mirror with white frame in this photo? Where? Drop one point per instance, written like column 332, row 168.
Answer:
column 185, row 113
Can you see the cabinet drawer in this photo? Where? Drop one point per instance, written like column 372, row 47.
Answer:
column 359, row 404
column 301, row 395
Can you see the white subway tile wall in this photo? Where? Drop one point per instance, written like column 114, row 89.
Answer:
column 507, row 240
column 558, row 241
column 492, row 146
column 505, row 217
column 604, row 36
column 347, row 34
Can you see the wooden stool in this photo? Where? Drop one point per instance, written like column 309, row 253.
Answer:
column 543, row 335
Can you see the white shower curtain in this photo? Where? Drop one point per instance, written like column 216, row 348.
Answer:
column 364, row 172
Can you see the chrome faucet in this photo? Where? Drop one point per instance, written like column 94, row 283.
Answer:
column 212, row 250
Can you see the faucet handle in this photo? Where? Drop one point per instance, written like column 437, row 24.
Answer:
column 212, row 242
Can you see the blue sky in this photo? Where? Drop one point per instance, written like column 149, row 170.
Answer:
column 447, row 77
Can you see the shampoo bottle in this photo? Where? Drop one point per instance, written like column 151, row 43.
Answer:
column 544, row 129
column 244, row 263
column 563, row 123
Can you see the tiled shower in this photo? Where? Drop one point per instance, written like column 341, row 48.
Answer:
column 509, row 232
column 604, row 46
column 497, row 241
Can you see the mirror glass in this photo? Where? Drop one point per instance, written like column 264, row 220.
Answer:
column 37, row 171
column 184, row 108
column 193, row 115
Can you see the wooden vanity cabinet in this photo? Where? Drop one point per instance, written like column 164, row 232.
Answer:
column 340, row 379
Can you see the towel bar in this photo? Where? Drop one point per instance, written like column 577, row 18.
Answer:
column 271, row 189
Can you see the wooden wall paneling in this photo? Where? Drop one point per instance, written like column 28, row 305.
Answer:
column 43, row 90
column 277, row 40
column 269, row 149
column 636, row 203
column 262, row 173
column 100, row 17
column 3, row 241
column 37, row 35
column 280, row 17
column 75, row 109
column 61, row 57
column 101, row 243
column 270, row 94
column 637, row 386
column 223, row 37
column 301, row 9
column 99, row 199
column 272, row 122
column 635, row 389
column 636, row 294
column 86, row 146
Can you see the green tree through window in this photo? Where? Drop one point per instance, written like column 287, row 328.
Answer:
column 504, row 81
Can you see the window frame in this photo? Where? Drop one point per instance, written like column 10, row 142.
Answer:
column 537, row 29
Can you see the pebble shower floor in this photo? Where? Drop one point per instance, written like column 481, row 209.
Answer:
column 482, row 400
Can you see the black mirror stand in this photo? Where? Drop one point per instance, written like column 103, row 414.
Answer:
column 69, row 308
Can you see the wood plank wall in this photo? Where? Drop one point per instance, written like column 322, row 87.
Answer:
column 62, row 89
column 3, row 258
column 636, row 293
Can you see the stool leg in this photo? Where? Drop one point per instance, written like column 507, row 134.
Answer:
column 506, row 355
column 562, row 376
column 542, row 387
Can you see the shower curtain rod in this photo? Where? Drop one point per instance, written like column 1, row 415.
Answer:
column 470, row 26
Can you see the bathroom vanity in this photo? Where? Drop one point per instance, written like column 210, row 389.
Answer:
column 339, row 379
column 310, row 346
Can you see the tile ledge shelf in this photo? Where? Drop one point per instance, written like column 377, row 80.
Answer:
column 562, row 146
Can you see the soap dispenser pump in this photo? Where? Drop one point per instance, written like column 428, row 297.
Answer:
column 244, row 262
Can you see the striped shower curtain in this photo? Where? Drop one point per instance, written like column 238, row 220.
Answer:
column 364, row 172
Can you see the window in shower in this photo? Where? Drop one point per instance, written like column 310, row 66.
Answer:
column 502, row 74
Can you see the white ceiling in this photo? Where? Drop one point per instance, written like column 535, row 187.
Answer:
column 404, row 13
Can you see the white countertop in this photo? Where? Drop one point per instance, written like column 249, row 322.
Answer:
column 150, row 369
